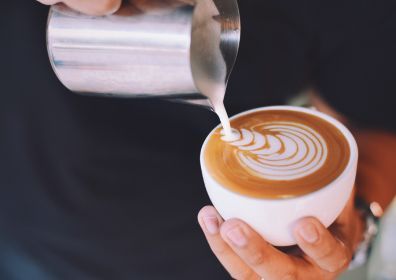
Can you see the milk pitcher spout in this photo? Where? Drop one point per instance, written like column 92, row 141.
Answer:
column 177, row 53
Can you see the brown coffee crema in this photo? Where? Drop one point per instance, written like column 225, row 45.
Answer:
column 277, row 154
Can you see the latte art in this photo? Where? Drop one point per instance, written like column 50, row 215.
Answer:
column 280, row 150
column 277, row 154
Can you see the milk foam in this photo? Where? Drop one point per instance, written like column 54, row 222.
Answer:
column 218, row 106
column 279, row 150
column 225, row 122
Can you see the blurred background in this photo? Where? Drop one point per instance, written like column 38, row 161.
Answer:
column 102, row 188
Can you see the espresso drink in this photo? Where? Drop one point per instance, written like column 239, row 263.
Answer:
column 277, row 154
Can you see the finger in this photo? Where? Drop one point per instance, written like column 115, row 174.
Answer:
column 323, row 249
column 263, row 258
column 49, row 2
column 150, row 5
column 94, row 7
column 210, row 222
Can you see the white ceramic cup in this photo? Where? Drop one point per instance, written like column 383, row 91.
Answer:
column 275, row 218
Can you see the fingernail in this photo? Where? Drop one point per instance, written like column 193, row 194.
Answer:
column 211, row 224
column 237, row 237
column 309, row 233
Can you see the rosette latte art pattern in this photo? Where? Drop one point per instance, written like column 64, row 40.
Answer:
column 277, row 154
column 280, row 150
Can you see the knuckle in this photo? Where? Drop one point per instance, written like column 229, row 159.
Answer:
column 326, row 252
column 256, row 258
column 245, row 274
column 291, row 275
column 342, row 261
column 335, row 258
column 347, row 252
column 219, row 249
column 341, row 265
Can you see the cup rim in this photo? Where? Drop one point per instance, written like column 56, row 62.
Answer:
column 342, row 128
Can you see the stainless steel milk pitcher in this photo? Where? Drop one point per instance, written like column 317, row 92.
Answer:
column 172, row 53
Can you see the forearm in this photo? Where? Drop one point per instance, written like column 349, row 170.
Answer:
column 376, row 176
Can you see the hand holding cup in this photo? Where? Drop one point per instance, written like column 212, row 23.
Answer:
column 321, row 253
column 105, row 7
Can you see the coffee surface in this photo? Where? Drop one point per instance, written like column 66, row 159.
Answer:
column 277, row 154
